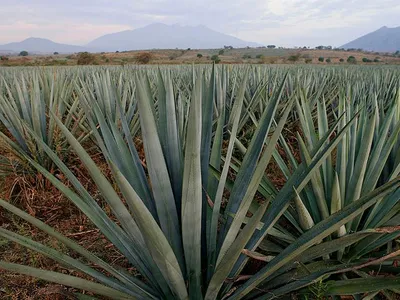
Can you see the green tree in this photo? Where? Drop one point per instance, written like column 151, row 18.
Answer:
column 271, row 46
column 215, row 58
column 23, row 53
column 351, row 60
column 321, row 59
column 199, row 55
column 56, row 53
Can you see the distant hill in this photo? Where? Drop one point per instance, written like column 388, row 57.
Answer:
column 38, row 45
column 382, row 40
column 161, row 36
column 154, row 36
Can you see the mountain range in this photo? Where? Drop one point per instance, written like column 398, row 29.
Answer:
column 384, row 39
column 161, row 36
column 153, row 36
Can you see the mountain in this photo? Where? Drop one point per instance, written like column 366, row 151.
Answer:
column 154, row 36
column 161, row 36
column 382, row 40
column 38, row 45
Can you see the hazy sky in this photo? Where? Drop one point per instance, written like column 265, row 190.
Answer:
column 280, row 22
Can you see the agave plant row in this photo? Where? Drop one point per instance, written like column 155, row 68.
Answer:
column 193, row 215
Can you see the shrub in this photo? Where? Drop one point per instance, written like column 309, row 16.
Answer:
column 56, row 53
column 294, row 58
column 86, row 58
column 351, row 60
column 321, row 59
column 144, row 57
column 366, row 60
column 328, row 60
column 221, row 52
column 246, row 56
column 215, row 58
column 3, row 58
column 259, row 56
column 199, row 55
column 377, row 60
column 308, row 60
column 23, row 53
column 341, row 60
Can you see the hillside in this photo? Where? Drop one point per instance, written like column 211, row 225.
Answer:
column 384, row 39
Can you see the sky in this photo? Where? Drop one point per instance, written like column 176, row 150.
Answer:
column 286, row 23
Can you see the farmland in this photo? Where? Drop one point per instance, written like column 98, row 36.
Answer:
column 202, row 181
column 207, row 56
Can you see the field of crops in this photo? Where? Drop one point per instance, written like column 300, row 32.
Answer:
column 225, row 182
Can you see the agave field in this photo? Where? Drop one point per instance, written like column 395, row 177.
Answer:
column 221, row 182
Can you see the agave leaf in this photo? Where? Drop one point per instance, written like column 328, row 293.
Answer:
column 124, row 278
column 192, row 195
column 70, row 262
column 215, row 157
column 104, row 186
column 249, row 164
column 169, row 136
column 157, row 243
column 212, row 243
column 223, row 269
column 158, row 173
column 303, row 281
column 88, row 205
column 361, row 285
column 305, row 219
column 253, row 185
column 316, row 234
column 381, row 151
column 67, row 280
column 316, row 181
column 323, row 128
column 355, row 185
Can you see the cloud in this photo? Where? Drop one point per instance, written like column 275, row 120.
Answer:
column 282, row 22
